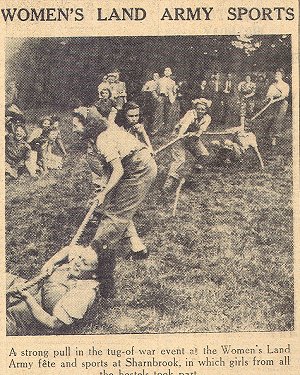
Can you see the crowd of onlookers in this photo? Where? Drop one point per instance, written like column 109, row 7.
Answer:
column 163, row 103
column 117, row 136
column 32, row 153
column 166, row 101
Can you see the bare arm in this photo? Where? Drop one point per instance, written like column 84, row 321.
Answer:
column 146, row 138
column 112, row 115
column 39, row 313
column 146, row 87
column 139, row 128
column 57, row 258
column 186, row 121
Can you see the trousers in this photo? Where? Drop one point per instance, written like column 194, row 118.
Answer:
column 194, row 145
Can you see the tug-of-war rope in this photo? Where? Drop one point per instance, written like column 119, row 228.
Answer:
column 238, row 129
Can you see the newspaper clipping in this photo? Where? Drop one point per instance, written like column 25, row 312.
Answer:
column 150, row 180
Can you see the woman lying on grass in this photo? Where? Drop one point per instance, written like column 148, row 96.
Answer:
column 65, row 296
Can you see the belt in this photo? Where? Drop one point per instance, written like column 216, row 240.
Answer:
column 133, row 152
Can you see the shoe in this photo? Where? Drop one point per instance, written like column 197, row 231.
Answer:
column 138, row 255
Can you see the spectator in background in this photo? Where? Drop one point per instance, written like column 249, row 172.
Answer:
column 167, row 97
column 172, row 116
column 215, row 87
column 13, row 116
column 106, row 105
column 55, row 125
column 43, row 123
column 246, row 90
column 261, row 88
column 18, row 153
column 150, row 102
column 201, row 90
column 184, row 98
column 279, row 90
column 118, row 89
column 227, row 95
column 152, row 85
column 43, row 146
column 103, row 85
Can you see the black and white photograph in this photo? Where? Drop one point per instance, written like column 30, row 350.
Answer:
column 148, row 184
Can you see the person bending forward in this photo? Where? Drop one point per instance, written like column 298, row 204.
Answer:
column 132, row 169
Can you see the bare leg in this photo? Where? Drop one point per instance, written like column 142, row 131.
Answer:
column 259, row 157
column 31, row 163
column 135, row 241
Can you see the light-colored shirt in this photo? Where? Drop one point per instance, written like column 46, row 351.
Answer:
column 191, row 117
column 278, row 89
column 228, row 86
column 167, row 86
column 74, row 304
column 103, row 86
column 67, row 298
column 217, row 85
column 36, row 133
column 119, row 89
column 150, row 86
column 116, row 143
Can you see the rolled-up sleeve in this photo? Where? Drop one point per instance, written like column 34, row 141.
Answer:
column 285, row 90
column 107, row 147
column 187, row 120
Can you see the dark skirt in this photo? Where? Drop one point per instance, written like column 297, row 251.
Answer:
column 139, row 172
column 122, row 202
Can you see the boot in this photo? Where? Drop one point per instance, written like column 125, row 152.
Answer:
column 105, row 270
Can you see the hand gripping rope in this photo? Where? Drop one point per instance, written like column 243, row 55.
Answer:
column 28, row 284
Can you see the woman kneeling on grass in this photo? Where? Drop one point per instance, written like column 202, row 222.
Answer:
column 131, row 169
column 64, row 297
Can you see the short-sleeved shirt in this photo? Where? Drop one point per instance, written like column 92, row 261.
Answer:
column 167, row 87
column 67, row 298
column 150, row 86
column 116, row 143
column 36, row 133
column 279, row 89
column 117, row 89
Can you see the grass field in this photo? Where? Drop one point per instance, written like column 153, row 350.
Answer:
column 224, row 263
